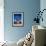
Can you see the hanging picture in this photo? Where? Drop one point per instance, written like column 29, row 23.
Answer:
column 17, row 19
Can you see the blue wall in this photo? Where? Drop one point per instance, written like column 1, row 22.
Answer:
column 29, row 7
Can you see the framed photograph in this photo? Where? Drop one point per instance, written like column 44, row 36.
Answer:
column 18, row 19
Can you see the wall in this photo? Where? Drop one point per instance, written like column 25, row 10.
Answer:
column 43, row 6
column 1, row 20
column 29, row 7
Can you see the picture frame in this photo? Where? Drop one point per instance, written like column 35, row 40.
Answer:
column 17, row 19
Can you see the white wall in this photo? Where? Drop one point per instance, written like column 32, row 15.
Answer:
column 43, row 6
column 1, row 20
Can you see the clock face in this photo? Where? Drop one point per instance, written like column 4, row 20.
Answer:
column 43, row 23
